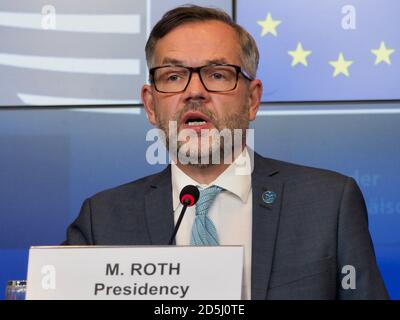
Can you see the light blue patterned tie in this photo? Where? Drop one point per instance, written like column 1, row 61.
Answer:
column 203, row 230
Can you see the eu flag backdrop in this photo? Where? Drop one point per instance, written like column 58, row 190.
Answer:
column 312, row 50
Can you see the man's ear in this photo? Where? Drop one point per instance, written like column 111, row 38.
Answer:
column 148, row 102
column 255, row 93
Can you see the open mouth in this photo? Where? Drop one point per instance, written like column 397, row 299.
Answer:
column 195, row 122
column 195, row 119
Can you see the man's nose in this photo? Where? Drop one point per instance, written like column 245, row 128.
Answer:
column 195, row 88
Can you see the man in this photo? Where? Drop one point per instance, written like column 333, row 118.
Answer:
column 299, row 226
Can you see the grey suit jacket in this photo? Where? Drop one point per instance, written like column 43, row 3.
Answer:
column 300, row 243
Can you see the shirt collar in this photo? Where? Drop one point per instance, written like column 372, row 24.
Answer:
column 232, row 179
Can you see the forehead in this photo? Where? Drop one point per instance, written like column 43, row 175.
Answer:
column 197, row 43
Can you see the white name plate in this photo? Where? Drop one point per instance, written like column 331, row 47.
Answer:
column 135, row 273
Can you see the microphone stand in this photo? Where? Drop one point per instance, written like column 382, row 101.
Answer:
column 185, row 205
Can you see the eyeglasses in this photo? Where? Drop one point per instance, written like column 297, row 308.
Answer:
column 214, row 77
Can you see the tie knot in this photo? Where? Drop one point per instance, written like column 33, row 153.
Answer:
column 206, row 198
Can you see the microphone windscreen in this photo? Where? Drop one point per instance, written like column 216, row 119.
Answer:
column 189, row 195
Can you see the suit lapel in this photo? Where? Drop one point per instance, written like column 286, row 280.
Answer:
column 265, row 225
column 159, row 210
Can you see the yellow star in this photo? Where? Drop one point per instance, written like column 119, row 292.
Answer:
column 269, row 25
column 382, row 54
column 341, row 65
column 299, row 55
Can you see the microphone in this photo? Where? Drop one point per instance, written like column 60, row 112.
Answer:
column 188, row 197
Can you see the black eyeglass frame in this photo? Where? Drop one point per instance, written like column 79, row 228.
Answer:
column 239, row 70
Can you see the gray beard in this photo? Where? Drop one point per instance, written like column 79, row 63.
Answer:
column 204, row 158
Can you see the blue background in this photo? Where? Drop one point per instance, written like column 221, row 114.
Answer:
column 318, row 26
column 51, row 160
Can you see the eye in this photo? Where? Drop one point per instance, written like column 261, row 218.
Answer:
column 173, row 77
column 218, row 76
column 219, row 73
